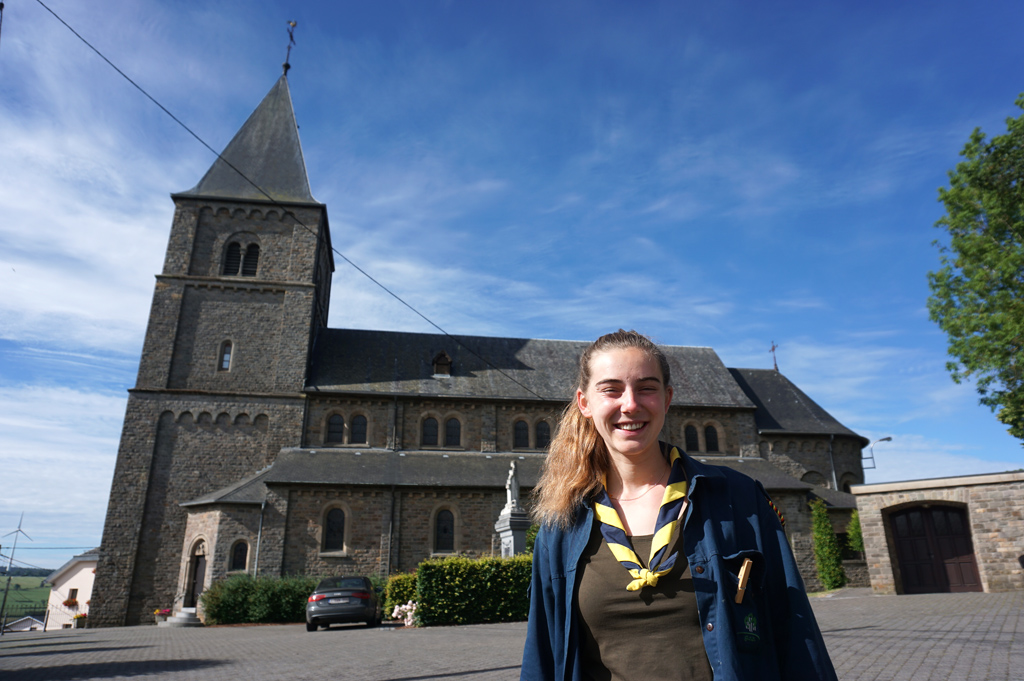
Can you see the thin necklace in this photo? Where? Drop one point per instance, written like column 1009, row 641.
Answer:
column 641, row 495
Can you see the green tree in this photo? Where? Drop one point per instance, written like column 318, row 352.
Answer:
column 827, row 554
column 978, row 293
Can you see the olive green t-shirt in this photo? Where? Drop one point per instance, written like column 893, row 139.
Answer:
column 645, row 635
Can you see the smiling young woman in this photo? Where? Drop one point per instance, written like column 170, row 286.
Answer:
column 649, row 564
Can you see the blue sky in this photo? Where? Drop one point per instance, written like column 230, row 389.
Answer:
column 722, row 174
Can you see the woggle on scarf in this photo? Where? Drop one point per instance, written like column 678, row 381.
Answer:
column 614, row 533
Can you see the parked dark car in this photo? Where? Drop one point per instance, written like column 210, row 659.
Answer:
column 338, row 600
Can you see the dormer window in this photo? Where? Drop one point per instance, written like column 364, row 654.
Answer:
column 442, row 364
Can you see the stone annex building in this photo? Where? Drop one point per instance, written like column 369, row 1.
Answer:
column 258, row 439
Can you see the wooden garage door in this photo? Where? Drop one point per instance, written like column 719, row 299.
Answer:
column 934, row 549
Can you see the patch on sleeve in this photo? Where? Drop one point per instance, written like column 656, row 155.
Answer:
column 782, row 518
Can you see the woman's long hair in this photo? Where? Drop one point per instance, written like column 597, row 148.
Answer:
column 577, row 459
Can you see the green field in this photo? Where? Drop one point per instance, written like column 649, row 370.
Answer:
column 25, row 594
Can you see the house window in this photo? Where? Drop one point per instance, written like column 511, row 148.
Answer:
column 335, row 429
column 444, row 531
column 251, row 260
column 239, row 556
column 543, row 435
column 452, row 433
column 443, row 365
column 334, row 532
column 72, row 594
column 711, row 439
column 520, row 435
column 232, row 259
column 358, row 430
column 690, row 436
column 225, row 357
column 429, row 436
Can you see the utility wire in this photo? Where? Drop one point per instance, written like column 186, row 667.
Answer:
column 275, row 202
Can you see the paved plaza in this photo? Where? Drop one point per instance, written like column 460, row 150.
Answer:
column 976, row 637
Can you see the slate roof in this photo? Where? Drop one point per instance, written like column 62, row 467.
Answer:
column 403, row 469
column 773, row 479
column 250, row 490
column 266, row 149
column 399, row 363
column 784, row 408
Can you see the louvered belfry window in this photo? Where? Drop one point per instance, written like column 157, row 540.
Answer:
column 232, row 259
column 251, row 261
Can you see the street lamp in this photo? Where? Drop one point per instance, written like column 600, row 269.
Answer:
column 871, row 448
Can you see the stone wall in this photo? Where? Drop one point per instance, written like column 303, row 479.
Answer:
column 995, row 510
column 806, row 458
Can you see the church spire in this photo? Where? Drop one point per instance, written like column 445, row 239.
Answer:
column 267, row 151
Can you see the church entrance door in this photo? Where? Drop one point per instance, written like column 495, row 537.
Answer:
column 197, row 570
column 934, row 549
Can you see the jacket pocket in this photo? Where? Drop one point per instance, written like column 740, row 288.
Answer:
column 749, row 615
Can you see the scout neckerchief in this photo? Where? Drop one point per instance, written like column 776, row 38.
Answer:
column 614, row 533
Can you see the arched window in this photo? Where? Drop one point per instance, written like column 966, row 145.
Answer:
column 429, row 436
column 690, row 436
column 520, row 435
column 232, row 259
column 251, row 260
column 452, row 433
column 543, row 435
column 335, row 429
column 358, row 430
column 334, row 530
column 225, row 357
column 444, row 531
column 711, row 438
column 239, row 556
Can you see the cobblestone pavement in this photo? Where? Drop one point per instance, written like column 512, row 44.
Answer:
column 871, row 638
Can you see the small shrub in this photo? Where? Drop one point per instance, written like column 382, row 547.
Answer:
column 827, row 554
column 400, row 590
column 854, row 535
column 531, row 537
column 242, row 599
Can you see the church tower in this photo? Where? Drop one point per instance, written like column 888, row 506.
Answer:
column 244, row 289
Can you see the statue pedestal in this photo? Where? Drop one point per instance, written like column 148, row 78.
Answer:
column 511, row 527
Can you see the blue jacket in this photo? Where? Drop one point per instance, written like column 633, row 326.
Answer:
column 771, row 635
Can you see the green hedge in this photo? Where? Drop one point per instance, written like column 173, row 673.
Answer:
column 242, row 599
column 828, row 556
column 461, row 590
column 401, row 589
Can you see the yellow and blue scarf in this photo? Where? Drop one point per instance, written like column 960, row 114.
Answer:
column 614, row 533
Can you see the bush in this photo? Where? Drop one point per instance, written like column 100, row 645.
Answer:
column 827, row 554
column 531, row 537
column 242, row 599
column 401, row 589
column 854, row 536
column 461, row 590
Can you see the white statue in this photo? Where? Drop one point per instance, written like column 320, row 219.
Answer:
column 512, row 488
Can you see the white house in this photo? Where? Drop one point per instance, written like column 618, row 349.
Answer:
column 71, row 590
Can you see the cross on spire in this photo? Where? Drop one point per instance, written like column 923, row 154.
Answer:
column 291, row 41
column 773, row 349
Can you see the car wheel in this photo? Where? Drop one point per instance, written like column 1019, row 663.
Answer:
column 311, row 627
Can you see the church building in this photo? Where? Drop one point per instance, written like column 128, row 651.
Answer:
column 258, row 440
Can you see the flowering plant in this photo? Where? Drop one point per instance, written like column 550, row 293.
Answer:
column 81, row 616
column 70, row 603
column 406, row 613
column 162, row 611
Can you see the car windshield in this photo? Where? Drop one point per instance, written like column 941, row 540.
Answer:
column 342, row 583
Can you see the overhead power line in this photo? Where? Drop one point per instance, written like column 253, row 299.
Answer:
column 275, row 202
